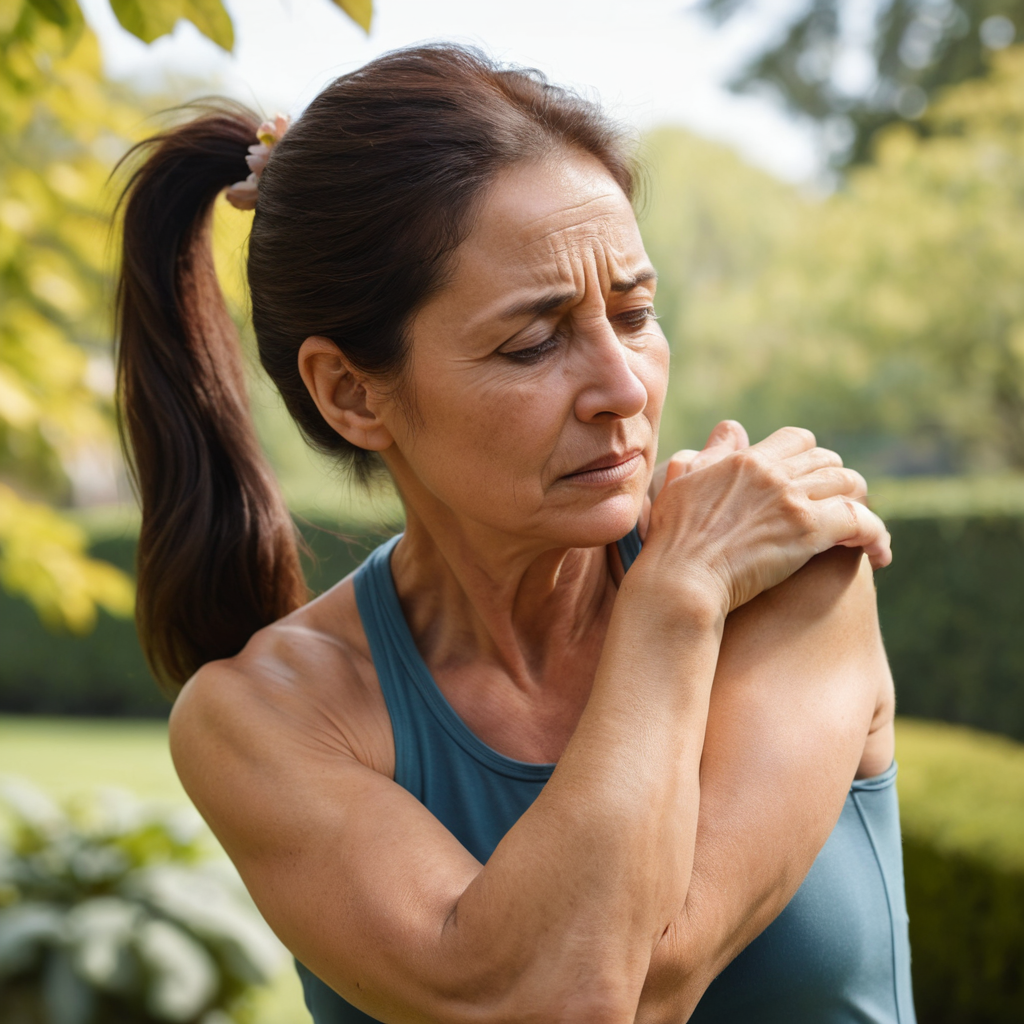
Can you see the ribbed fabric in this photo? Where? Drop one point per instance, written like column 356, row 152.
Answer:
column 838, row 954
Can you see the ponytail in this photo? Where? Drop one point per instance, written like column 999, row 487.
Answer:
column 217, row 554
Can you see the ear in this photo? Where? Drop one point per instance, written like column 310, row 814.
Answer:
column 344, row 396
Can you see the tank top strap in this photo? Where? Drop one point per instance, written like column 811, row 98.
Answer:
column 629, row 547
column 389, row 640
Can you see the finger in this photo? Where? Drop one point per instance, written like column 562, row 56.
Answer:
column 846, row 523
column 785, row 443
column 728, row 433
column 726, row 438
column 832, row 481
column 811, row 460
column 680, row 464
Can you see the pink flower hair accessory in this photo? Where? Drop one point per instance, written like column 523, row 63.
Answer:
column 242, row 195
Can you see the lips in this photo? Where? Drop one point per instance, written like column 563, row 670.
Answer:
column 608, row 461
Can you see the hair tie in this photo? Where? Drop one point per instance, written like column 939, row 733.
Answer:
column 242, row 195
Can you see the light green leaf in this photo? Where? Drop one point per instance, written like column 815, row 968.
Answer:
column 145, row 19
column 150, row 19
column 360, row 11
column 184, row 974
column 212, row 20
column 101, row 932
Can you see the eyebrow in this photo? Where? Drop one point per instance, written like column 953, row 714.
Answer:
column 546, row 303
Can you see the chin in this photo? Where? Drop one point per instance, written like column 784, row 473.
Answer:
column 604, row 522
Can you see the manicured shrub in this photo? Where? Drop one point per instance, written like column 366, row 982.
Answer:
column 952, row 609
column 962, row 806
column 105, row 673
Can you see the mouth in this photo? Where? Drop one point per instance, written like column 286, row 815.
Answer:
column 611, row 468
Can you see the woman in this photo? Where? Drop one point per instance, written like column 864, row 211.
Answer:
column 488, row 777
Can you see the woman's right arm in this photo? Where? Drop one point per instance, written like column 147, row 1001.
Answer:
column 370, row 891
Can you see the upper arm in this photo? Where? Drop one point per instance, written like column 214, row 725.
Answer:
column 354, row 875
column 800, row 676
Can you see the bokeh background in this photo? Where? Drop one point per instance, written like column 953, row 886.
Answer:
column 835, row 203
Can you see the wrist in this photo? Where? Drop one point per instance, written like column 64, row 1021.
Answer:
column 680, row 602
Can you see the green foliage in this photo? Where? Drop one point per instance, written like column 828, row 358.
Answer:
column 887, row 317
column 107, row 912
column 915, row 48
column 61, row 130
column 150, row 19
column 106, row 673
column 951, row 605
column 962, row 806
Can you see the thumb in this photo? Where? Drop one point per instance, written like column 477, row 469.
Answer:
column 680, row 464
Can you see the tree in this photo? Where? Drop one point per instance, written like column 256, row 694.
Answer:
column 61, row 130
column 888, row 317
column 912, row 49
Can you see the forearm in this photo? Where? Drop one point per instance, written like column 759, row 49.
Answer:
column 578, row 894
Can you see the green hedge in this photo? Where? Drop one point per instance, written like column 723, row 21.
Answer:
column 952, row 612
column 962, row 805
column 105, row 673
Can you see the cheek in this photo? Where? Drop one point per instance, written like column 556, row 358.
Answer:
column 651, row 368
column 501, row 433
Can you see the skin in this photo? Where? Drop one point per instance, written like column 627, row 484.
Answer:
column 707, row 711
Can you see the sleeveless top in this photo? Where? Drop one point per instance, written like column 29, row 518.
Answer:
column 838, row 954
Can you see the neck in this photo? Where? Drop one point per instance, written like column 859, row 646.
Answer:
column 472, row 596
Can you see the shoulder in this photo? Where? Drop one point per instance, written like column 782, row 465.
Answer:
column 302, row 688
column 818, row 629
column 831, row 597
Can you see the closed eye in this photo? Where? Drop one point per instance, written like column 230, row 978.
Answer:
column 535, row 352
column 631, row 320
column 634, row 319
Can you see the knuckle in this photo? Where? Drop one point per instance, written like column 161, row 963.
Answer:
column 803, row 434
column 776, row 477
column 799, row 513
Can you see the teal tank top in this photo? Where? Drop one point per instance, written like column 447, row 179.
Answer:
column 838, row 954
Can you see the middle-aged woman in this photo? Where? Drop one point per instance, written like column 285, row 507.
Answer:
column 517, row 767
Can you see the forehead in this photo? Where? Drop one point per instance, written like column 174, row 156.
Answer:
column 557, row 221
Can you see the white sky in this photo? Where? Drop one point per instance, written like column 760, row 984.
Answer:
column 649, row 61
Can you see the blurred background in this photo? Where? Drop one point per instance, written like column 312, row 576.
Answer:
column 835, row 203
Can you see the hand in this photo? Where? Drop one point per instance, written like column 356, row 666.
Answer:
column 742, row 519
column 728, row 437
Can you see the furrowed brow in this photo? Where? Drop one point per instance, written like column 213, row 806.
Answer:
column 629, row 284
column 539, row 306
column 546, row 303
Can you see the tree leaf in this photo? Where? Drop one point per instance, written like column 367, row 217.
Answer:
column 64, row 13
column 360, row 11
column 146, row 19
column 212, row 20
column 149, row 19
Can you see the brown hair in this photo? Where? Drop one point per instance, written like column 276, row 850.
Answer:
column 359, row 209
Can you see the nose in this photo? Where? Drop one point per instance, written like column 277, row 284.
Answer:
column 610, row 389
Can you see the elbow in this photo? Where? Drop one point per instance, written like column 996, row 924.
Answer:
column 682, row 966
column 586, row 999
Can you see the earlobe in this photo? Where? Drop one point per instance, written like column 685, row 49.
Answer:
column 344, row 396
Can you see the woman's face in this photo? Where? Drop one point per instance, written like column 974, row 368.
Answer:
column 537, row 374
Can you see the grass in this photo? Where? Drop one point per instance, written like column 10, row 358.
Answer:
column 959, row 789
